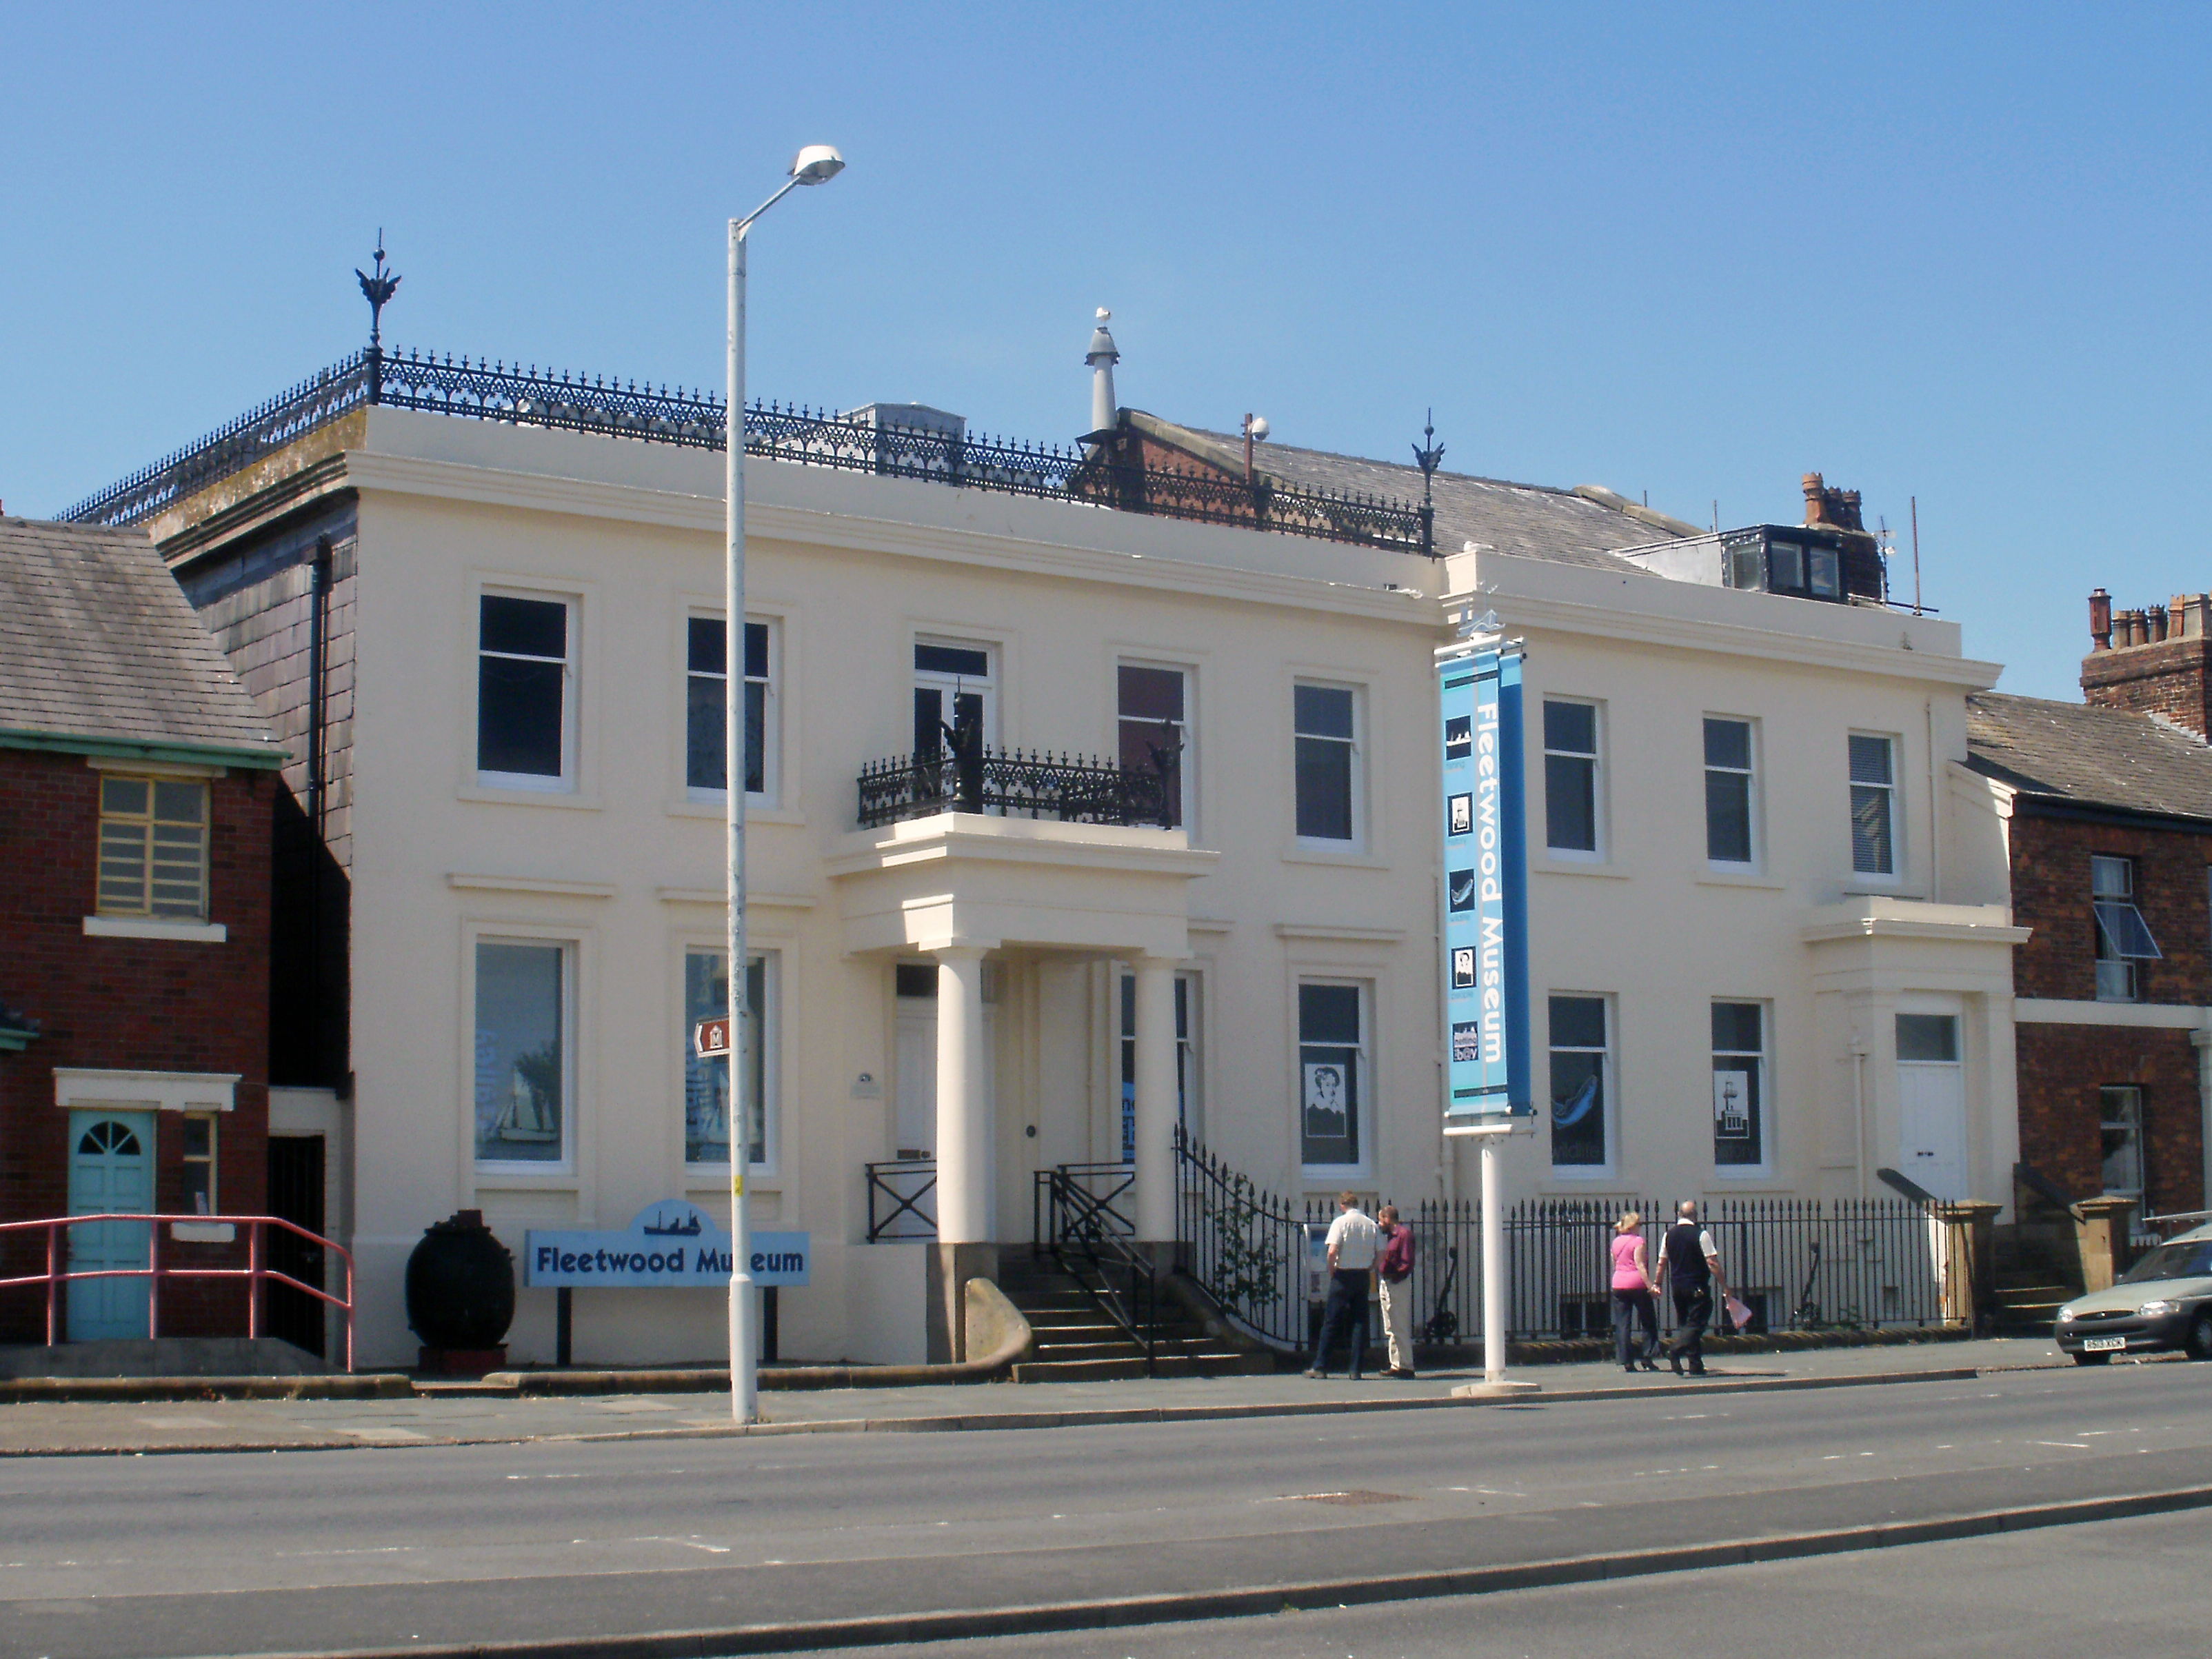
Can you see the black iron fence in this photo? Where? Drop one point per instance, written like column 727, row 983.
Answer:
column 901, row 1199
column 1073, row 790
column 1797, row 1263
column 479, row 390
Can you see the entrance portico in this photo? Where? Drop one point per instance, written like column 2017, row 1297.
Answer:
column 964, row 887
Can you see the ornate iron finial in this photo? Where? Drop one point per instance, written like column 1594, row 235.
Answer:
column 378, row 291
column 1426, row 455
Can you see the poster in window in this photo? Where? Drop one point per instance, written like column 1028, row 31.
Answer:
column 1326, row 1110
column 1732, row 1105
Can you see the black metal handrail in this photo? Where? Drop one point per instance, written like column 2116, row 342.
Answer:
column 481, row 390
column 2026, row 1174
column 1082, row 1232
column 897, row 1186
column 1072, row 789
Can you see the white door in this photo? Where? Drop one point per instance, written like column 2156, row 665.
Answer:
column 915, row 1060
column 1931, row 1104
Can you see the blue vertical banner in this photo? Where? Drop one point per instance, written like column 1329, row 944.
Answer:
column 1486, row 889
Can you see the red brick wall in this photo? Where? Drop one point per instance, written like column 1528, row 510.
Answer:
column 2060, row 1069
column 128, row 1005
column 2063, row 1067
column 2050, row 894
column 2169, row 679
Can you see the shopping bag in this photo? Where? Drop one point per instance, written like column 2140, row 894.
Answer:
column 1738, row 1314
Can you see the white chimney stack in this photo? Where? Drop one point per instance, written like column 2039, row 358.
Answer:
column 1102, row 358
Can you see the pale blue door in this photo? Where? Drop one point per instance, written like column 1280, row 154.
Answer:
column 110, row 1171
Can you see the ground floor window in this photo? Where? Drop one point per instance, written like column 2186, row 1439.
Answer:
column 1186, row 1080
column 199, row 1194
column 706, row 1082
column 1738, row 1083
column 1332, row 1076
column 1578, row 1046
column 522, row 1052
column 2119, row 1112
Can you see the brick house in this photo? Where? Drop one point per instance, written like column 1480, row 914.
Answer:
column 136, row 788
column 2108, row 811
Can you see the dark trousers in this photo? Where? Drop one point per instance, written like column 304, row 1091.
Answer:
column 1693, row 1306
column 1347, row 1303
column 1630, row 1307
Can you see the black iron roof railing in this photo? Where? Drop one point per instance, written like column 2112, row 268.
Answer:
column 1091, row 473
column 1069, row 789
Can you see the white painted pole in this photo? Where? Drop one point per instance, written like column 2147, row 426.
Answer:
column 1493, row 1266
column 744, row 1346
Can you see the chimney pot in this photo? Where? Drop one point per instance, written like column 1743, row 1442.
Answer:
column 2101, row 620
column 2154, row 621
column 1813, row 487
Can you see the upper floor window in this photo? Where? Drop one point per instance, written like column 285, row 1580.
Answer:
column 955, row 690
column 1873, row 805
column 526, row 707
column 153, row 847
column 1153, row 708
column 1571, row 777
column 1325, row 719
column 705, row 699
column 2124, row 937
column 1728, row 790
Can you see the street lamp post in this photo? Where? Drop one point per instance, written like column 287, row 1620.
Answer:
column 816, row 164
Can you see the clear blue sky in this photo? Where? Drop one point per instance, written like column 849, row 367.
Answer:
column 1948, row 251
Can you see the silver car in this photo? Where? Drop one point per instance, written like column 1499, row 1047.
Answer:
column 2164, row 1301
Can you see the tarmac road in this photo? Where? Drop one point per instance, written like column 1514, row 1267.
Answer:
column 147, row 1558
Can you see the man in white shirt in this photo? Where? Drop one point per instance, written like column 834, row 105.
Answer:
column 1692, row 1262
column 1352, row 1242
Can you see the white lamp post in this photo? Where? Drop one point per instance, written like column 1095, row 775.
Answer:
column 815, row 165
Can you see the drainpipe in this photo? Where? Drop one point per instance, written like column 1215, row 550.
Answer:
column 319, row 611
column 1935, row 830
column 1859, row 1049
column 2201, row 1036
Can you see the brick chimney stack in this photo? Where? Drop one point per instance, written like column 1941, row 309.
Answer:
column 2157, row 660
column 1838, row 509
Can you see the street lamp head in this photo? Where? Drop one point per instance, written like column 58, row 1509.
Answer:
column 817, row 164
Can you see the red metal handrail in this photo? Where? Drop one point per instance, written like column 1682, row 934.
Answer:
column 256, row 1272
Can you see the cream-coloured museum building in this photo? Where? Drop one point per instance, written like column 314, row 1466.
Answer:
column 1087, row 791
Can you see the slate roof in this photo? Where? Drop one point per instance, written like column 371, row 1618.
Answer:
column 2107, row 758
column 1531, row 521
column 98, row 643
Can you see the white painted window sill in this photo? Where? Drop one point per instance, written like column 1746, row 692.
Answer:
column 527, row 797
column 1714, row 877
column 1351, row 857
column 506, row 1178
column 202, row 1232
column 188, row 932
column 758, row 810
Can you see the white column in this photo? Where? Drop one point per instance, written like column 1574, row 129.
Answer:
column 1156, row 1099
column 964, row 1126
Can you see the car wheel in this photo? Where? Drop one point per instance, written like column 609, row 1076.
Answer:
column 2091, row 1359
column 2199, row 1343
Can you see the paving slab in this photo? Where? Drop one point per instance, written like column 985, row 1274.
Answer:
column 91, row 1427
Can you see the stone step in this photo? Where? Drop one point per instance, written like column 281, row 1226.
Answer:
column 1121, row 1347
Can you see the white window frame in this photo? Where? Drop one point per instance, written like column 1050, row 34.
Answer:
column 1189, row 1051
column 1608, row 1085
column 1185, row 729
column 567, row 783
column 771, row 790
column 571, row 950
column 1363, row 1094
column 919, row 678
column 769, row 1165
column 1599, row 853
column 186, row 1158
column 1895, row 791
column 1754, row 815
column 1764, row 1170
column 2127, row 975
column 2105, row 1120
column 1356, row 842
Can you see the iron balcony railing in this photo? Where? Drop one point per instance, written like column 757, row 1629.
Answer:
column 1094, row 474
column 1072, row 789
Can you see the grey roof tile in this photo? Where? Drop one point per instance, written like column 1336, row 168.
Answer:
column 2095, row 756
column 97, row 642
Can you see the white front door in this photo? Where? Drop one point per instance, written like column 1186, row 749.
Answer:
column 915, row 1060
column 1931, row 1104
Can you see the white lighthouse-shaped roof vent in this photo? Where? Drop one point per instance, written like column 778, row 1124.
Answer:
column 1102, row 357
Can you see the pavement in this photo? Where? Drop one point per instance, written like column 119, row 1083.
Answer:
column 645, row 1546
column 457, row 1415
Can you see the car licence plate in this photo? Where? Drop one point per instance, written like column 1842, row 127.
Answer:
column 2103, row 1343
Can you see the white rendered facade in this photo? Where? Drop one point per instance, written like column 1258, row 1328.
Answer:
column 596, row 884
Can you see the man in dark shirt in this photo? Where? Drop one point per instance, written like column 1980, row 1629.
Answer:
column 1693, row 1274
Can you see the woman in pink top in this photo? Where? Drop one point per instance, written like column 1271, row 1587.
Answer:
column 1635, row 1295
